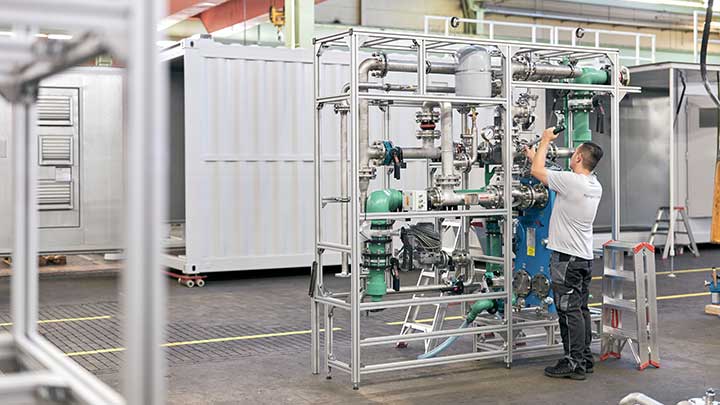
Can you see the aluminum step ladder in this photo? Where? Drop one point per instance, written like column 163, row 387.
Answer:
column 411, row 323
column 641, row 335
column 665, row 225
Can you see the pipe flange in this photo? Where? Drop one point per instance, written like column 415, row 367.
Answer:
column 451, row 180
column 541, row 196
column 521, row 283
column 540, row 285
column 427, row 116
column 463, row 162
column 382, row 72
column 367, row 173
column 580, row 103
column 427, row 134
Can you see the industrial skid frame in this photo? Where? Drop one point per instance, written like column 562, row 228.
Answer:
column 353, row 42
column 32, row 369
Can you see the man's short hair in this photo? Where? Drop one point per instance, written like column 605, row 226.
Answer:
column 591, row 154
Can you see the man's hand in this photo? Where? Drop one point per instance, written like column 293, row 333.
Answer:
column 537, row 169
column 548, row 135
column 529, row 153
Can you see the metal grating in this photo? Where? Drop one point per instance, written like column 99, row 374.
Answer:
column 56, row 150
column 53, row 195
column 54, row 110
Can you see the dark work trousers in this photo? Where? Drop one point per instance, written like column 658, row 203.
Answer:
column 571, row 278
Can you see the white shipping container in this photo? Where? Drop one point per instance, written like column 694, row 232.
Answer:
column 79, row 163
column 242, row 159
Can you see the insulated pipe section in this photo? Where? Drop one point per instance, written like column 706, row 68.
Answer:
column 529, row 71
column 446, row 141
column 425, row 152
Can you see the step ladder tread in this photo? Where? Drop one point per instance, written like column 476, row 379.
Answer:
column 625, row 305
column 425, row 327
column 619, row 333
column 628, row 275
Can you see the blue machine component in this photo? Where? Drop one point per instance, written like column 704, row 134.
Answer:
column 531, row 254
column 714, row 287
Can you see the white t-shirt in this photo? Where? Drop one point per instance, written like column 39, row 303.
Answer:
column 571, row 222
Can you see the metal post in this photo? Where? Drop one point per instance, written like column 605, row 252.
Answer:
column 24, row 282
column 652, row 46
column 507, row 203
column 314, row 307
column 695, row 36
column 615, row 147
column 355, row 217
column 670, row 240
column 422, row 77
column 637, row 49
column 343, row 187
column 147, row 146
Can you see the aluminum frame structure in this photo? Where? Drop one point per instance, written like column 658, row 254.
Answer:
column 553, row 32
column 355, row 41
column 34, row 370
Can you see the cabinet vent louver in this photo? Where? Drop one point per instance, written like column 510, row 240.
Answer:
column 54, row 110
column 53, row 195
column 56, row 150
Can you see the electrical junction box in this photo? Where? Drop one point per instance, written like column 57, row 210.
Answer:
column 415, row 200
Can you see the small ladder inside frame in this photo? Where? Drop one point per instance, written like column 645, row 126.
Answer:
column 641, row 335
column 411, row 323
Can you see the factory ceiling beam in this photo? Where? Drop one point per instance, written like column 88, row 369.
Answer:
column 181, row 10
column 232, row 12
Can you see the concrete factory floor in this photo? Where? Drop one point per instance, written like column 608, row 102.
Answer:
column 244, row 338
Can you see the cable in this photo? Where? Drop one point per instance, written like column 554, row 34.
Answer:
column 703, row 52
column 682, row 95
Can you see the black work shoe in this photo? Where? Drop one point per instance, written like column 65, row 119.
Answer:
column 563, row 370
column 561, row 363
column 589, row 368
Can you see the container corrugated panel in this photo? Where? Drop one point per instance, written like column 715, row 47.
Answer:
column 249, row 189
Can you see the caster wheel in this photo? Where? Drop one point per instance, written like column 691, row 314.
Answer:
column 190, row 284
column 200, row 283
column 328, row 377
column 401, row 345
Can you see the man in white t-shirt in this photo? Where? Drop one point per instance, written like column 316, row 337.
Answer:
column 577, row 195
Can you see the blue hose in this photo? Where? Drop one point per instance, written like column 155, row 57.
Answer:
column 444, row 345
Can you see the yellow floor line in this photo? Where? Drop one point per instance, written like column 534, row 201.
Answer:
column 307, row 332
column 204, row 341
column 660, row 273
column 87, row 318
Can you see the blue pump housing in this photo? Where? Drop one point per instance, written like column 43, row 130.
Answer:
column 531, row 254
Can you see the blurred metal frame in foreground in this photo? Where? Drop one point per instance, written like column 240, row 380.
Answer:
column 32, row 370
